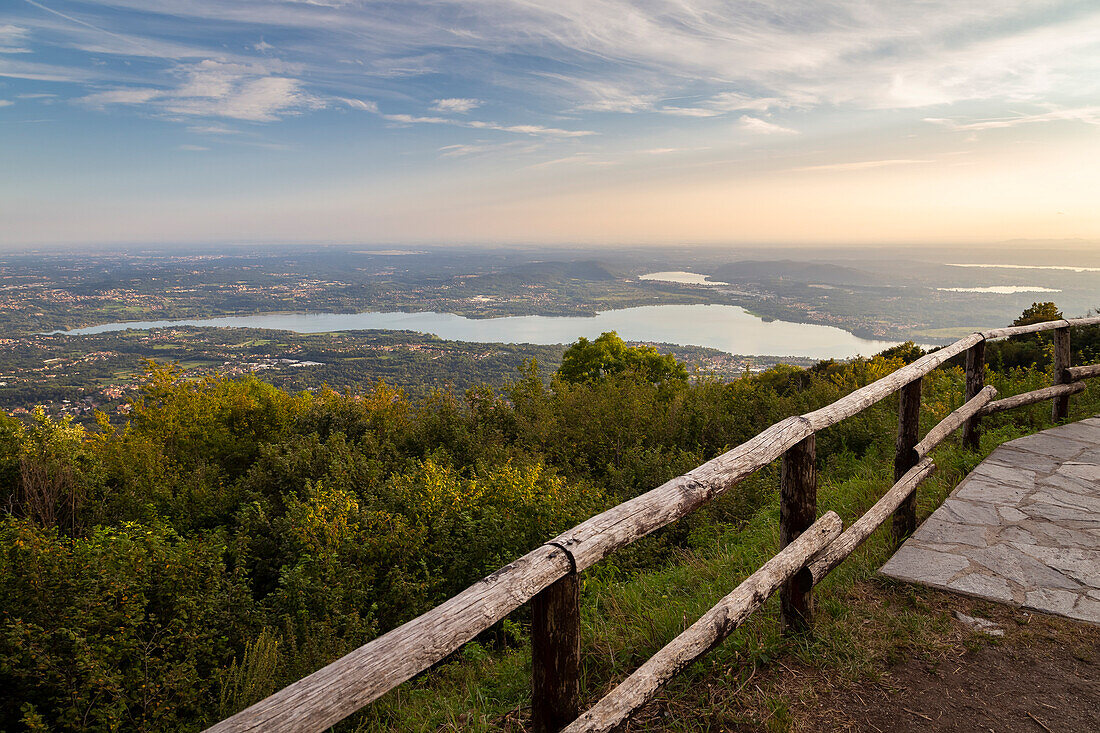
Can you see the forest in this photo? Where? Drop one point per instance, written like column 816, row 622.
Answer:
column 233, row 536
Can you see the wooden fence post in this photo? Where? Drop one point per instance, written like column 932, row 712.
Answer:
column 975, row 382
column 904, row 521
column 1062, row 362
column 556, row 655
column 797, row 512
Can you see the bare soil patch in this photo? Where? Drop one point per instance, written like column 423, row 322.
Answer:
column 1044, row 675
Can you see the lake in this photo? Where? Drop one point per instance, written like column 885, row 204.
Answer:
column 725, row 327
column 680, row 277
column 1002, row 289
column 1070, row 268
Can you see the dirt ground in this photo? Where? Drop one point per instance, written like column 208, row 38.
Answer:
column 1043, row 676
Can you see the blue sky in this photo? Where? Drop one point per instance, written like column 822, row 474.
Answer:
column 657, row 121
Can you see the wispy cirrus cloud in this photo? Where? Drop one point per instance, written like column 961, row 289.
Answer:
column 483, row 147
column 861, row 165
column 540, row 130
column 1089, row 115
column 728, row 102
column 686, row 58
column 363, row 105
column 14, row 39
column 763, row 127
column 402, row 118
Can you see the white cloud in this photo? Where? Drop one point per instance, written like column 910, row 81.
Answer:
column 34, row 71
column 460, row 150
column 861, row 165
column 763, row 127
column 196, row 148
column 455, row 104
column 420, row 119
column 578, row 159
column 537, row 130
column 870, row 54
column 12, row 39
column 1088, row 115
column 364, row 105
column 691, row 111
column 6, row 103
column 602, row 95
column 258, row 100
column 216, row 89
column 684, row 58
column 119, row 96
column 213, row 130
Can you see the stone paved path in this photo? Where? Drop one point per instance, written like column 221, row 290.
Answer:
column 1023, row 528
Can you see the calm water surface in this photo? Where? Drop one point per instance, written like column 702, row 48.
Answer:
column 680, row 276
column 724, row 327
column 1003, row 289
column 1071, row 268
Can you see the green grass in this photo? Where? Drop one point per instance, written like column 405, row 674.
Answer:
column 863, row 623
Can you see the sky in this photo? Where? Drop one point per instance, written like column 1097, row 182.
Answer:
column 557, row 121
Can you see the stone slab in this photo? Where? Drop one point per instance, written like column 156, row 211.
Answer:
column 1023, row 528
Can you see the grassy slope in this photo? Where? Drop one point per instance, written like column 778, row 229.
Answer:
column 865, row 622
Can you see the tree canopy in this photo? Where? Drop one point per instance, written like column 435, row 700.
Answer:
column 590, row 361
column 1038, row 313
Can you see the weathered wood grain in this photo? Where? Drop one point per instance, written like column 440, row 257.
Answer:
column 905, row 457
column 1063, row 359
column 797, row 512
column 1000, row 333
column 862, row 528
column 864, row 397
column 592, row 540
column 1077, row 373
column 975, row 381
column 952, row 422
column 556, row 655
column 1030, row 398
column 332, row 693
column 702, row 636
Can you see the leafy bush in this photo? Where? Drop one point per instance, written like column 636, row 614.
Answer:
column 232, row 537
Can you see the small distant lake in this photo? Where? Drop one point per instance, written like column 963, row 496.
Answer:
column 725, row 327
column 1071, row 268
column 1003, row 289
column 681, row 277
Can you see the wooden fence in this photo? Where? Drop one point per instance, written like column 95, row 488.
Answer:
column 548, row 575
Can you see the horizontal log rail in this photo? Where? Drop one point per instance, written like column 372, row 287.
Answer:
column 318, row 701
column 1077, row 373
column 1030, row 398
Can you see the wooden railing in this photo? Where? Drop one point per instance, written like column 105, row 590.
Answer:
column 548, row 575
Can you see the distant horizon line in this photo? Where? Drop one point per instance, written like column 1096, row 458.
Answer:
column 411, row 248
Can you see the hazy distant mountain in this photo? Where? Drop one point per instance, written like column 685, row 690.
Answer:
column 550, row 272
column 802, row 272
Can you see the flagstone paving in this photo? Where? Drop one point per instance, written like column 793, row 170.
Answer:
column 1023, row 528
